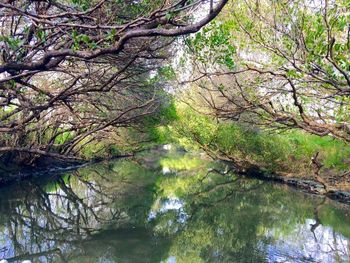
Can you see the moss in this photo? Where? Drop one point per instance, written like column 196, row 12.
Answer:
column 64, row 137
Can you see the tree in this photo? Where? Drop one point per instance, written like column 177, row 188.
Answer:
column 75, row 71
column 289, row 67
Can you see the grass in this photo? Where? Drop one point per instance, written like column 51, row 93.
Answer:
column 289, row 152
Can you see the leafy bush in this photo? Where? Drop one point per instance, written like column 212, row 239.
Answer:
column 288, row 152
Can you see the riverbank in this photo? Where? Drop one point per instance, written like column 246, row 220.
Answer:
column 56, row 167
column 320, row 165
column 307, row 185
column 313, row 187
column 47, row 166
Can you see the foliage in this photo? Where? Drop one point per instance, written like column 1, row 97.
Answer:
column 213, row 45
column 77, row 72
column 291, row 65
column 271, row 151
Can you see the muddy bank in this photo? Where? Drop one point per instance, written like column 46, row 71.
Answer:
column 310, row 186
column 12, row 174
column 315, row 188
column 51, row 166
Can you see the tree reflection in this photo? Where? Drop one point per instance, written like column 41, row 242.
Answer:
column 59, row 220
column 232, row 219
column 200, row 211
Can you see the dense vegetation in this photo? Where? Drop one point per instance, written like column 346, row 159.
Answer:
column 77, row 75
column 151, row 131
column 262, row 84
column 267, row 86
column 249, row 148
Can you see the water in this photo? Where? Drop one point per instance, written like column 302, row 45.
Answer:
column 167, row 206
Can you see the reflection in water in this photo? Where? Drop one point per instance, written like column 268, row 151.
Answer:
column 130, row 210
column 321, row 246
column 163, row 206
column 166, row 170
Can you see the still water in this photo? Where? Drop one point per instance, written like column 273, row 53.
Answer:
column 167, row 206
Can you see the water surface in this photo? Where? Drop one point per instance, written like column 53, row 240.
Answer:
column 167, row 206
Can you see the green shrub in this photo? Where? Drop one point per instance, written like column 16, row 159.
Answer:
column 288, row 152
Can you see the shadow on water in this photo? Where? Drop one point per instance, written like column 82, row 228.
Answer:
column 168, row 206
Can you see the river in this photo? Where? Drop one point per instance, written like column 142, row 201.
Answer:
column 167, row 205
